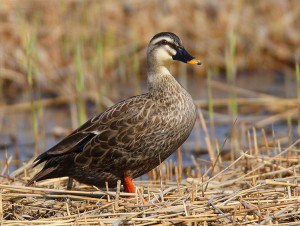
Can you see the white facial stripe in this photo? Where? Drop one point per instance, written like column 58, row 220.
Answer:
column 157, row 40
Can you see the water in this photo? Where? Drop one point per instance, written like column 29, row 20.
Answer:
column 16, row 136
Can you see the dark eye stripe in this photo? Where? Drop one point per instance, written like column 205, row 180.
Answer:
column 164, row 42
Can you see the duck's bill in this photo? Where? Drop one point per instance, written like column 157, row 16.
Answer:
column 194, row 61
column 183, row 56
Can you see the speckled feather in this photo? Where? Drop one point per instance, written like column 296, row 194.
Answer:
column 130, row 138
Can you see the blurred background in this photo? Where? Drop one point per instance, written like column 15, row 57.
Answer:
column 62, row 61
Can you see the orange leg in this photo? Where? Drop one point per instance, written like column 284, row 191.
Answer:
column 128, row 185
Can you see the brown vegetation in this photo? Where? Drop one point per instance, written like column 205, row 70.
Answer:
column 72, row 53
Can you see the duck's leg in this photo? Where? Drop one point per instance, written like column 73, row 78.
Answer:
column 70, row 183
column 128, row 185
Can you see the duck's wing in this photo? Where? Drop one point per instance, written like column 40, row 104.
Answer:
column 113, row 121
column 125, row 133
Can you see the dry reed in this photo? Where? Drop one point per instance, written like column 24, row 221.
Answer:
column 258, row 187
column 231, row 197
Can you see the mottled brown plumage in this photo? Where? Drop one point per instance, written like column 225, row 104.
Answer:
column 133, row 136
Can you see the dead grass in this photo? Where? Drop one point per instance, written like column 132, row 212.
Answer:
column 253, row 189
column 108, row 32
column 102, row 45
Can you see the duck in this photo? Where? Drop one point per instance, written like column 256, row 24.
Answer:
column 133, row 136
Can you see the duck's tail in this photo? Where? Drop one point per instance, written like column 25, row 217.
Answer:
column 45, row 173
column 53, row 168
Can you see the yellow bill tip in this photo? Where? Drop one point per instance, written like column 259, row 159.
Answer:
column 194, row 61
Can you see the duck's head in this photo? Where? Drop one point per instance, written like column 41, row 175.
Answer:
column 165, row 47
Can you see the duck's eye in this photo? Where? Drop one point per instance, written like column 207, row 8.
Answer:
column 165, row 42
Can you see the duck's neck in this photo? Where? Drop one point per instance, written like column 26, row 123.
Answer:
column 160, row 80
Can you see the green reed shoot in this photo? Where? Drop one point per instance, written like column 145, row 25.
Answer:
column 28, row 57
column 30, row 79
column 231, row 72
column 230, row 58
column 80, row 86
